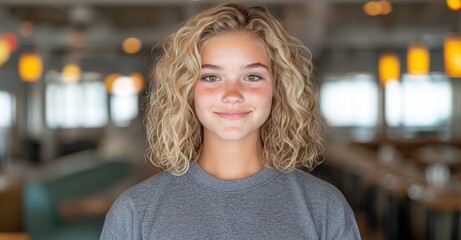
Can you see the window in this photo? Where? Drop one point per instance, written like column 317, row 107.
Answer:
column 422, row 102
column 7, row 117
column 350, row 100
column 82, row 104
column 7, row 106
column 123, row 101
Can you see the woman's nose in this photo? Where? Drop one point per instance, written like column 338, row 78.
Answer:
column 232, row 94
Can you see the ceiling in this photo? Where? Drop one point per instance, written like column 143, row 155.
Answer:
column 321, row 25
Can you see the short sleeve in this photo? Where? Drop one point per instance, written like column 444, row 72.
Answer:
column 341, row 219
column 119, row 221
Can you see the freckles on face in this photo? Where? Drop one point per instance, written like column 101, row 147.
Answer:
column 234, row 90
column 203, row 92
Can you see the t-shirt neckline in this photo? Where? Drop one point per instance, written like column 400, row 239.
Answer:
column 211, row 182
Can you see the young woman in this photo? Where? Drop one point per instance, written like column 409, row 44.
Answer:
column 233, row 114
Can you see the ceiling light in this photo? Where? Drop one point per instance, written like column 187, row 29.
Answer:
column 4, row 51
column 110, row 80
column 30, row 67
column 372, row 8
column 71, row 73
column 454, row 5
column 131, row 45
column 386, row 7
column 139, row 81
column 452, row 55
column 389, row 68
column 12, row 40
column 418, row 59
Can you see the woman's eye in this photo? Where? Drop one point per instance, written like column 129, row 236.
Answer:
column 210, row 78
column 253, row 78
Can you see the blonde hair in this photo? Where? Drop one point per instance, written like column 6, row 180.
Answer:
column 290, row 136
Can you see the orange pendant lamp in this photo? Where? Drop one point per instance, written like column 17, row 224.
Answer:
column 110, row 80
column 452, row 55
column 454, row 5
column 418, row 59
column 71, row 73
column 30, row 66
column 4, row 51
column 389, row 68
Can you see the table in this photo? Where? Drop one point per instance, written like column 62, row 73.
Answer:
column 14, row 236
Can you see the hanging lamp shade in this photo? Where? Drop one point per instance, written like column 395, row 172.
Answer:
column 30, row 67
column 124, row 85
column 110, row 80
column 139, row 81
column 418, row 59
column 131, row 45
column 71, row 73
column 12, row 40
column 452, row 55
column 386, row 7
column 389, row 68
column 454, row 5
column 4, row 51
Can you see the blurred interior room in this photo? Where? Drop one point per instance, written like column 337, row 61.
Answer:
column 74, row 76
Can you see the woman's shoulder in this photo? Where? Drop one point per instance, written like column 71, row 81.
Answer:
column 315, row 186
column 321, row 196
column 146, row 191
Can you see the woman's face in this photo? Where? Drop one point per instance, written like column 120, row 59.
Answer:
column 233, row 95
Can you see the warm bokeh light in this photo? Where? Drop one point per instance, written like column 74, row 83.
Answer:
column 386, row 7
column 139, row 81
column 12, row 40
column 71, row 73
column 452, row 55
column 372, row 8
column 418, row 59
column 110, row 80
column 454, row 5
column 124, row 86
column 26, row 29
column 131, row 45
column 30, row 67
column 4, row 51
column 389, row 68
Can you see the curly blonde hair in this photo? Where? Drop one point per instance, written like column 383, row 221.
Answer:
column 290, row 136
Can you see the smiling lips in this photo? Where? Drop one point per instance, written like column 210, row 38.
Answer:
column 233, row 115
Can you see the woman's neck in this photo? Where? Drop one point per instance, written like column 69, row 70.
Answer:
column 231, row 160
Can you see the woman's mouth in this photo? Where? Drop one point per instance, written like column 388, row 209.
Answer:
column 233, row 115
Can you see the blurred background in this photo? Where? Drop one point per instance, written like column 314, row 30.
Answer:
column 73, row 83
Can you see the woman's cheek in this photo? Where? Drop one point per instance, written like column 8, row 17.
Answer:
column 201, row 91
column 262, row 93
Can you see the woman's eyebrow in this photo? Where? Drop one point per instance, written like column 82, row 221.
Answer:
column 256, row 65
column 251, row 65
column 211, row 66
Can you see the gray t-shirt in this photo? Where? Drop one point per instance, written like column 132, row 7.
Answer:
column 196, row 205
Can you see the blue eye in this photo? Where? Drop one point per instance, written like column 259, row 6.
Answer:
column 210, row 78
column 254, row 78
